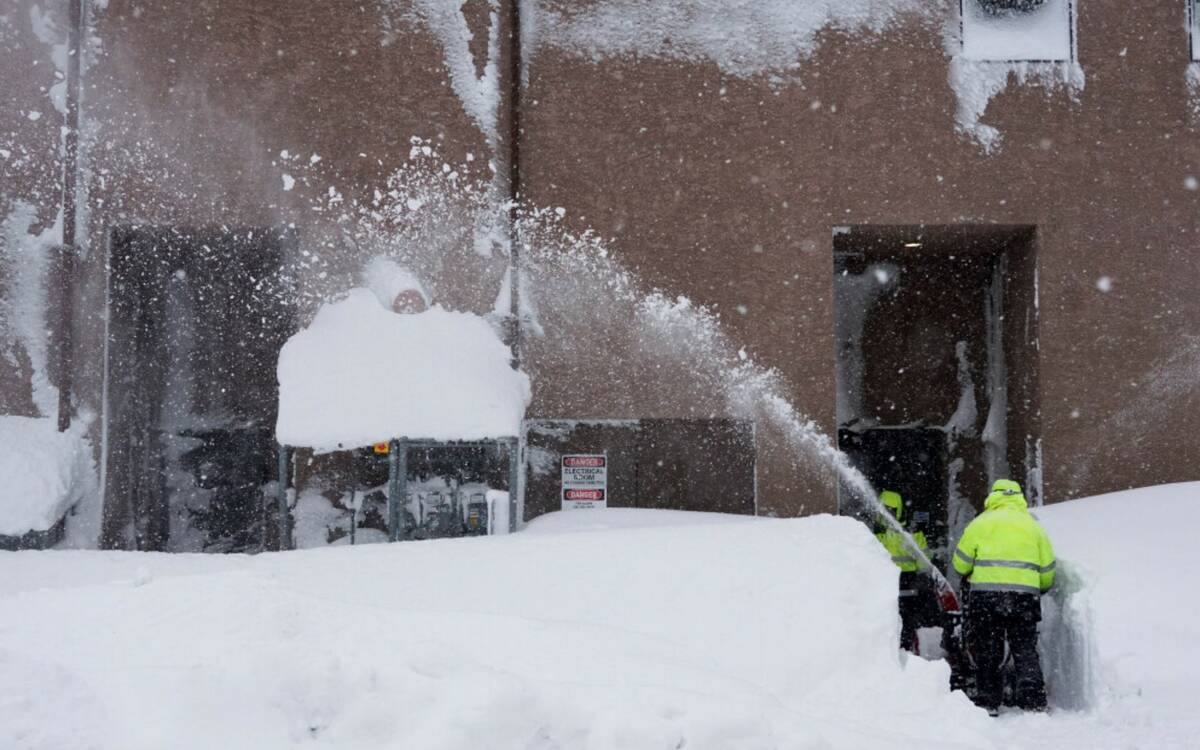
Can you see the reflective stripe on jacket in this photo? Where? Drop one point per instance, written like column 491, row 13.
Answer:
column 901, row 555
column 1005, row 548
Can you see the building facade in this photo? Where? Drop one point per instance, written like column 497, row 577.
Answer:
column 904, row 225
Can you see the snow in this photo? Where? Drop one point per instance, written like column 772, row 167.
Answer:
column 46, row 28
column 1192, row 78
column 387, row 278
column 1194, row 28
column 569, row 521
column 653, row 637
column 479, row 95
column 856, row 295
column 773, row 38
column 601, row 629
column 43, row 473
column 744, row 38
column 995, row 428
column 976, row 83
column 989, row 52
column 30, row 256
column 1133, row 555
column 361, row 374
column 1042, row 34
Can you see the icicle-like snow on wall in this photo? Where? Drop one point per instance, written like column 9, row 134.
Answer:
column 28, row 255
column 995, row 429
column 961, row 424
column 857, row 294
column 480, row 96
column 991, row 50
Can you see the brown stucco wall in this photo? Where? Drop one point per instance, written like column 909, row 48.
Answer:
column 721, row 188
column 190, row 105
column 688, row 170
column 29, row 173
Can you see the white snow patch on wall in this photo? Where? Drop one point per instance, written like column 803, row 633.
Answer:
column 360, row 374
column 995, row 429
column 976, row 83
column 746, row 38
column 46, row 28
column 480, row 96
column 28, row 257
column 990, row 53
column 743, row 37
column 502, row 307
column 856, row 295
column 1193, row 86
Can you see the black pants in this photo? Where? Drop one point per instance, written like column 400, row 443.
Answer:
column 992, row 619
column 910, row 610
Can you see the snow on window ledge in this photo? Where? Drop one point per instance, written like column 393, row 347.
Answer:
column 1192, row 76
column 998, row 42
column 1018, row 30
column 1193, row 24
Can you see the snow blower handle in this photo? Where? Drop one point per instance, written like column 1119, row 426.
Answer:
column 946, row 596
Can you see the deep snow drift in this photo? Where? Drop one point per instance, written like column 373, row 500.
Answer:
column 719, row 633
column 1130, row 558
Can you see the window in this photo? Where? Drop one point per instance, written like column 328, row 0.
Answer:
column 1019, row 30
column 1193, row 11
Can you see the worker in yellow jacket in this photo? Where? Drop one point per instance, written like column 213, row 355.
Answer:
column 1006, row 557
column 893, row 542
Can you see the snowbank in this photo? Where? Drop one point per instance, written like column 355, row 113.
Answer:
column 727, row 633
column 1131, row 557
column 361, row 374
column 739, row 635
column 43, row 473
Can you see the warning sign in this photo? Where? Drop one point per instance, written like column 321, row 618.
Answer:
column 584, row 482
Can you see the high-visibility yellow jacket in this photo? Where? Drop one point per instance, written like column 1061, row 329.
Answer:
column 1005, row 548
column 892, row 541
column 901, row 555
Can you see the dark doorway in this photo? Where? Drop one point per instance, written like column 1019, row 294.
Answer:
column 937, row 363
column 196, row 322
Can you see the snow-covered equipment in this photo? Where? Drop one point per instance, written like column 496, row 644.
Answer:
column 44, row 473
column 361, row 375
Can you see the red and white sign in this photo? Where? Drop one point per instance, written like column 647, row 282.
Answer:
column 584, row 482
